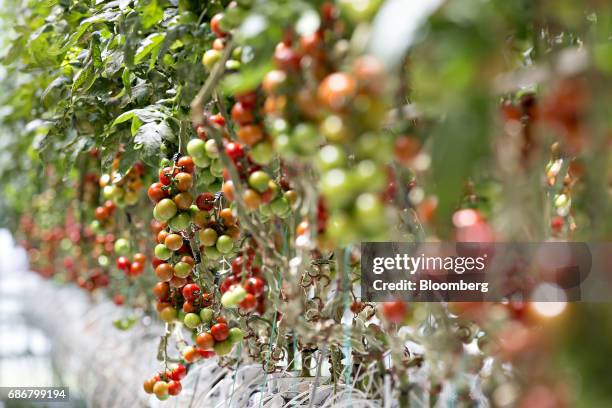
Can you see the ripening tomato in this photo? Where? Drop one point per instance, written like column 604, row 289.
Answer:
column 183, row 200
column 217, row 119
column 247, row 99
column 394, row 312
column 242, row 114
column 250, row 134
column 101, row 213
column 161, row 290
column 215, row 25
column 191, row 292
column 136, row 268
column 164, row 272
column 219, row 331
column 178, row 373
column 336, row 90
column 156, row 192
column 139, row 257
column 165, row 175
column 228, row 190
column 148, row 385
column 186, row 164
column 189, row 307
column 184, row 181
column 205, row 341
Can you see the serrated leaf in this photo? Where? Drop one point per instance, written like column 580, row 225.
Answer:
column 148, row 46
column 150, row 136
column 84, row 79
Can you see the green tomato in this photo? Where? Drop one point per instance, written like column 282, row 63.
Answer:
column 233, row 16
column 232, row 65
column 122, row 246
column 192, row 320
column 223, row 348
column 103, row 261
column 211, row 148
column 279, row 126
column 359, row 10
column 216, row 168
column 283, row 144
column 235, row 335
column 224, row 244
column 111, row 192
column 201, row 161
column 369, row 177
column 262, row 153
column 334, row 129
column 210, row 58
column 340, row 228
column 280, row 207
column 331, row 157
column 165, row 162
column 369, row 212
column 96, row 226
column 258, row 180
column 212, row 253
column 305, row 138
column 162, row 252
column 337, row 188
column 182, row 269
column 207, row 315
column 165, row 209
column 265, row 210
column 196, row 148
column 180, row 222
column 233, row 297
column 207, row 177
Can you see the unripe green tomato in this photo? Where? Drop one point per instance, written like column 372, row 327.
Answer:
column 165, row 209
column 207, row 177
column 233, row 17
column 211, row 148
column 217, row 185
column 216, row 168
column 232, row 65
column 96, row 226
column 305, row 138
column 130, row 198
column 262, row 153
column 165, row 162
column 283, row 144
column 122, row 246
column 223, row 348
column 265, row 210
column 182, row 269
column 237, row 53
column 207, row 315
column 280, row 207
column 340, row 227
column 162, row 252
column 192, row 320
column 334, row 129
column 111, row 192
column 180, row 222
column 373, row 146
column 201, row 161
column 168, row 314
column 103, row 261
column 208, row 237
column 258, row 180
column 199, row 218
column 164, row 148
column 361, row 10
column 337, row 188
column 196, row 148
column 235, row 335
column 368, row 176
column 162, row 397
column 369, row 212
column 212, row 253
column 279, row 126
column 210, row 58
column 233, row 297
column 224, row 244
column 331, row 157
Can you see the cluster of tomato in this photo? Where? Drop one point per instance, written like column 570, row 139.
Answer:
column 123, row 189
column 244, row 288
column 166, row 383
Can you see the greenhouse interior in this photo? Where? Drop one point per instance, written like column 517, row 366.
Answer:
column 306, row 203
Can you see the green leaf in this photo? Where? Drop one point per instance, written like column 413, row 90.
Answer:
column 124, row 117
column 127, row 82
column 136, row 124
column 148, row 46
column 149, row 138
column 151, row 14
column 84, row 79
